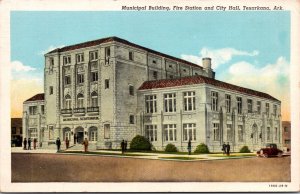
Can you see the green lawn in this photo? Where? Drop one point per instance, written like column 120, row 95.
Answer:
column 180, row 158
column 105, row 153
column 233, row 155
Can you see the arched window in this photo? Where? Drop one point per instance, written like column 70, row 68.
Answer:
column 94, row 99
column 80, row 99
column 68, row 101
column 93, row 134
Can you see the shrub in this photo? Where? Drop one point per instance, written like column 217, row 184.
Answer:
column 245, row 149
column 202, row 149
column 171, row 148
column 140, row 143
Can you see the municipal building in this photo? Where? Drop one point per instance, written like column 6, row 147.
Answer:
column 111, row 89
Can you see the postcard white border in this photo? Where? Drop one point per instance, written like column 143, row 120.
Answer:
column 80, row 5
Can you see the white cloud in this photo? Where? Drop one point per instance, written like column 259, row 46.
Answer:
column 271, row 78
column 219, row 56
column 50, row 48
column 19, row 66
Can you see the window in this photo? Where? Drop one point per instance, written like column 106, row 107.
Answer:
column 228, row 103
column 267, row 108
column 42, row 109
column 51, row 66
column 268, row 133
column 67, row 102
column 106, row 131
column 170, row 102
column 94, row 76
column 106, row 83
column 80, row 99
column 131, row 90
column 155, row 74
column 189, row 132
column 189, row 101
column 249, row 103
column 151, row 132
column 80, row 78
column 258, row 105
column 13, row 130
column 94, row 99
column 150, row 103
column 93, row 55
column 131, row 119
column 275, row 109
column 216, row 131
column 32, row 133
column 240, row 133
column 170, row 132
column 93, row 134
column 51, row 90
column 130, row 55
column 229, row 132
column 214, row 101
column 67, row 60
column 276, row 133
column 67, row 80
column 32, row 110
column 51, row 132
column 239, row 105
column 107, row 51
column 79, row 58
column 286, row 129
column 153, row 61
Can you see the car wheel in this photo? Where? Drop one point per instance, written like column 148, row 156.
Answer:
column 279, row 154
column 266, row 155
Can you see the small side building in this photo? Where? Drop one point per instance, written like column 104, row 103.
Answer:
column 16, row 132
column 286, row 135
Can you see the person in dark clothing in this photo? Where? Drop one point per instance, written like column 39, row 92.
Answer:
column 224, row 149
column 125, row 146
column 228, row 149
column 189, row 147
column 34, row 143
column 58, row 144
column 29, row 144
column 25, row 144
column 122, row 146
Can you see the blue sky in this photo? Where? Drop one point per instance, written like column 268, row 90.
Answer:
column 252, row 41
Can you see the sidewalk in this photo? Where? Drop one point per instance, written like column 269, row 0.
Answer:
column 153, row 156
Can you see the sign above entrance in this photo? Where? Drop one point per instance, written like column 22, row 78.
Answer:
column 81, row 119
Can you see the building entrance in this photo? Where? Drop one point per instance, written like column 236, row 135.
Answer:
column 79, row 137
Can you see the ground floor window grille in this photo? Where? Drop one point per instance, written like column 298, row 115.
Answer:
column 216, row 131
column 170, row 132
column 107, row 131
column 93, row 134
column 240, row 133
column 268, row 133
column 51, row 132
column 151, row 132
column 32, row 133
column 229, row 132
column 189, row 132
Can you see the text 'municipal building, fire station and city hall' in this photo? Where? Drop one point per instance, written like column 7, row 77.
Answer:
column 110, row 89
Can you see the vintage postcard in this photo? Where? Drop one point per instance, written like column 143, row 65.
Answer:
column 149, row 96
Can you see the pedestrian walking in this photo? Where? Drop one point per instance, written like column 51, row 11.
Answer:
column 189, row 147
column 29, row 143
column 58, row 143
column 228, row 149
column 67, row 142
column 34, row 143
column 25, row 143
column 85, row 144
column 122, row 146
column 224, row 149
column 125, row 146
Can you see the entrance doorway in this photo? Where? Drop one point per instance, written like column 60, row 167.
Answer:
column 79, row 137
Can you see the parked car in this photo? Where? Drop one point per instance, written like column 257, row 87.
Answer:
column 270, row 150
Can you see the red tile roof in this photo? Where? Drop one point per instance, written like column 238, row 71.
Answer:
column 117, row 39
column 16, row 122
column 201, row 80
column 36, row 97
